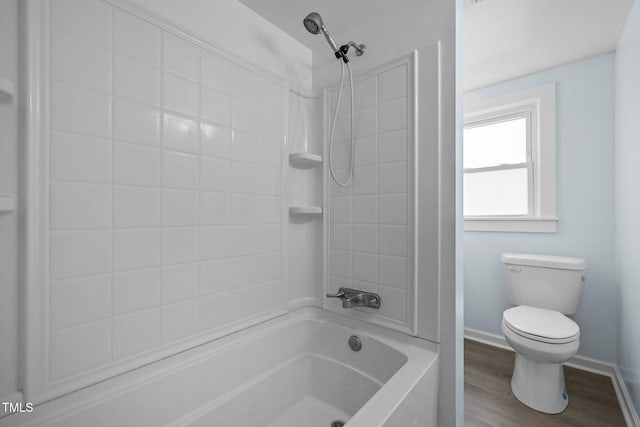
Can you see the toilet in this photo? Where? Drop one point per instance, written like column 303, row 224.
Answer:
column 544, row 289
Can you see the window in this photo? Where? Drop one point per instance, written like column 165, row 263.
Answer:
column 509, row 162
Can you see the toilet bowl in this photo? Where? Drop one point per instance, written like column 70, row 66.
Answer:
column 542, row 339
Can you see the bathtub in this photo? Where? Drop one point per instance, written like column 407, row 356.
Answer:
column 294, row 370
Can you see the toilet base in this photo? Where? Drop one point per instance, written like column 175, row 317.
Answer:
column 539, row 385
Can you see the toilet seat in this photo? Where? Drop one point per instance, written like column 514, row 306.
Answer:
column 540, row 324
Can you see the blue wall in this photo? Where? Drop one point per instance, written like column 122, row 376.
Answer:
column 628, row 202
column 585, row 203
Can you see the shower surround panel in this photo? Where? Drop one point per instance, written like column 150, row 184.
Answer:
column 371, row 220
column 165, row 193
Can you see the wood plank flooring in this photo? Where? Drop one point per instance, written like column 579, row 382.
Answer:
column 488, row 400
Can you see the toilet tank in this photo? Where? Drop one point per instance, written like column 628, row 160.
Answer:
column 544, row 281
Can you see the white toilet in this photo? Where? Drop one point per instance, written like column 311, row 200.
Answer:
column 544, row 289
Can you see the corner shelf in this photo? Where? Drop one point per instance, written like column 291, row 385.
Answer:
column 305, row 210
column 7, row 90
column 305, row 160
column 7, row 204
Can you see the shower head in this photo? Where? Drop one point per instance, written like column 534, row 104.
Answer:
column 313, row 23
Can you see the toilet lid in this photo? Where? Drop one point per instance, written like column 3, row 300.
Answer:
column 541, row 324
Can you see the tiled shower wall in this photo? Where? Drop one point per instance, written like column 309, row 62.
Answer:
column 165, row 189
column 370, row 220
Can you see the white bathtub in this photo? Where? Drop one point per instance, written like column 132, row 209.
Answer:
column 295, row 370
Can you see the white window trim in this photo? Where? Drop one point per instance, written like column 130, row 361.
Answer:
column 541, row 101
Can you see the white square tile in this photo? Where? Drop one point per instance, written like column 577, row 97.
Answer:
column 365, row 267
column 181, row 95
column 80, row 301
column 180, row 134
column 342, row 128
column 215, row 140
column 215, row 174
column 136, row 38
column 392, row 271
column 365, row 210
column 341, row 237
column 245, row 239
column 80, row 253
column 267, row 93
column 214, row 311
column 136, row 333
column 75, row 61
column 80, row 110
column 270, row 238
column 392, row 240
column 87, row 19
column 179, row 245
column 246, row 147
column 179, row 170
column 244, row 84
column 394, row 303
column 136, row 248
column 246, row 116
column 270, row 267
column 135, row 165
column 76, row 205
column 335, row 190
column 392, row 147
column 245, row 178
column 270, row 121
column 341, row 210
column 392, row 115
column 392, row 178
column 181, row 57
column 246, row 302
column 341, row 264
column 269, row 210
column 80, row 348
column 136, row 290
column 179, row 320
column 365, row 123
column 215, row 106
column 271, row 152
column 365, row 93
column 244, row 271
column 269, row 181
column 392, row 209
column 366, row 152
column 217, row 72
column 365, row 238
column 365, row 180
column 179, row 282
column 272, row 295
column 392, row 84
column 179, row 208
column 215, row 242
column 341, row 158
column 215, row 276
column 215, row 208
column 80, row 158
column 134, row 122
column 136, row 80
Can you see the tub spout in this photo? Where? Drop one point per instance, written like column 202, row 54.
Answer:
column 356, row 298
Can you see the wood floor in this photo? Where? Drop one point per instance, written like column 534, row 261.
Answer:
column 488, row 400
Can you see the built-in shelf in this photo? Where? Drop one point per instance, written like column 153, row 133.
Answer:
column 7, row 90
column 305, row 160
column 7, row 204
column 305, row 210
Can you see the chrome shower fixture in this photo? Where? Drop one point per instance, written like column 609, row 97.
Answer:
column 313, row 23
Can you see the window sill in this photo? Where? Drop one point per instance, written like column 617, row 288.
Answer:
column 512, row 224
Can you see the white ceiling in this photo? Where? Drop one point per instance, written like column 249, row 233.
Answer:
column 338, row 15
column 503, row 39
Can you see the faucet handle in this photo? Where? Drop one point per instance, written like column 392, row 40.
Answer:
column 340, row 294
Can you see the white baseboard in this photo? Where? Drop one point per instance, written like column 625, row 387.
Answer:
column 579, row 362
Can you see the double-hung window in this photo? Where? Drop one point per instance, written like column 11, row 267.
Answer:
column 509, row 162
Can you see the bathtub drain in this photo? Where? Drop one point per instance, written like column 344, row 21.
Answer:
column 337, row 423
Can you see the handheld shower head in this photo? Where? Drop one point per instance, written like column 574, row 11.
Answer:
column 313, row 23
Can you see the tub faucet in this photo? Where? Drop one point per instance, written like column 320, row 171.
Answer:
column 356, row 298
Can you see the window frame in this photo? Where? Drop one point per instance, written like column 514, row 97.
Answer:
column 538, row 103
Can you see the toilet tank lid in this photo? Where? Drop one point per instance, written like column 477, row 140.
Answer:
column 548, row 261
